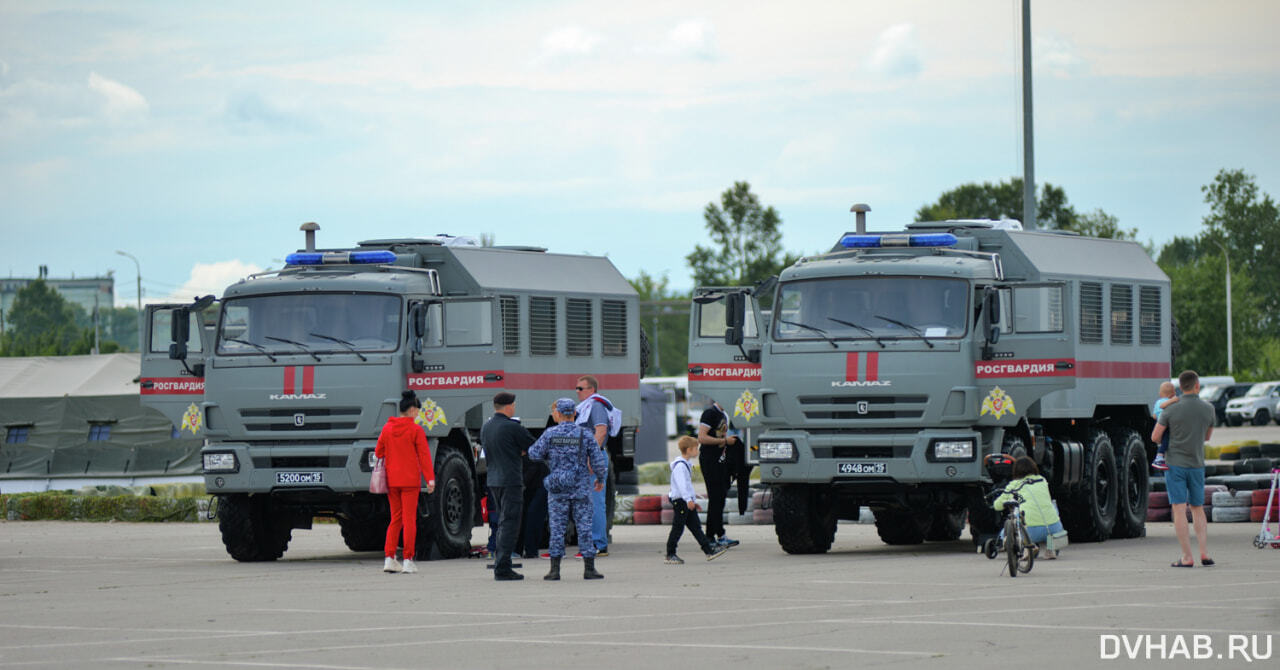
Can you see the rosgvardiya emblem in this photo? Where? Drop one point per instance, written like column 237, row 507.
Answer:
column 997, row 403
column 191, row 420
column 430, row 415
column 747, row 406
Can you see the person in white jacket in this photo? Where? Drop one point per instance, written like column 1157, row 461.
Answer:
column 682, row 501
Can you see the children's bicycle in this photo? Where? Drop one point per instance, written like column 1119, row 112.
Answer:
column 1019, row 550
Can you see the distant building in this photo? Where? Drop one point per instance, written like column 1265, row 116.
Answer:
column 84, row 291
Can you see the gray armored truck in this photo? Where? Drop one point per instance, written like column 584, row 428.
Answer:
column 292, row 375
column 899, row 371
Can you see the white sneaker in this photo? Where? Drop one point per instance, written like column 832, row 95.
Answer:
column 409, row 567
column 390, row 564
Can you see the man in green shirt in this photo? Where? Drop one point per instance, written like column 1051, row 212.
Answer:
column 1190, row 424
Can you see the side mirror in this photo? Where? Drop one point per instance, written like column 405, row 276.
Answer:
column 734, row 317
column 419, row 315
column 179, row 332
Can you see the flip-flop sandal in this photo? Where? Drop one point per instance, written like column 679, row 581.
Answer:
column 1206, row 562
column 1180, row 564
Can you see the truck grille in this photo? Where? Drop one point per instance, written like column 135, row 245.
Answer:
column 300, row 419
column 846, row 408
column 291, row 462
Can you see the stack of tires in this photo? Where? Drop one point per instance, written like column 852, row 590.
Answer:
column 1260, row 509
column 762, row 507
column 623, row 510
column 732, row 517
column 647, row 510
column 1229, row 506
column 1158, row 506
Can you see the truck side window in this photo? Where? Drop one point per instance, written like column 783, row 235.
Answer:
column 711, row 320
column 1149, row 315
column 510, row 308
column 468, row 323
column 1037, row 309
column 613, row 328
column 435, row 326
column 579, row 329
column 160, row 332
column 542, row 326
column 1090, row 313
column 1121, row 314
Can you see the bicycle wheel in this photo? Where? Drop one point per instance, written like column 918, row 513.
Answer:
column 1028, row 556
column 1012, row 535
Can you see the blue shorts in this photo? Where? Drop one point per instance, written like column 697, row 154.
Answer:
column 1185, row 486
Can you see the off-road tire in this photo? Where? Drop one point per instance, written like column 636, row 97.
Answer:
column 364, row 534
column 1262, row 418
column 945, row 525
column 902, row 527
column 250, row 531
column 1135, row 484
column 804, row 518
column 449, row 512
column 1090, row 513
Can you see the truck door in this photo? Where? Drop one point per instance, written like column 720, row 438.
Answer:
column 168, row 383
column 1033, row 356
column 461, row 366
column 728, row 373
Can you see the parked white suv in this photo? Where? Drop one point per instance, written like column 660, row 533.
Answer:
column 1258, row 406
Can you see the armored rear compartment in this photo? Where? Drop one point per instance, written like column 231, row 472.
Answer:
column 891, row 367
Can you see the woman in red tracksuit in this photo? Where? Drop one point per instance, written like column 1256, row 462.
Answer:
column 408, row 460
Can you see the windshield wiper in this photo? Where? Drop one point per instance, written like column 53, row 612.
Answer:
column 862, row 328
column 341, row 341
column 296, row 344
column 918, row 333
column 815, row 329
column 255, row 345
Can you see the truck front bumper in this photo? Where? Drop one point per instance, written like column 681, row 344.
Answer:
column 920, row 457
column 237, row 467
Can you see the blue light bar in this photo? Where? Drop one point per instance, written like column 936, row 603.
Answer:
column 898, row 240
column 340, row 258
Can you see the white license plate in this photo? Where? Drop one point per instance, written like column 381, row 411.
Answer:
column 863, row 468
column 299, row 477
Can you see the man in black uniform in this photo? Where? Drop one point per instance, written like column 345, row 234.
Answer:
column 713, row 439
column 505, row 441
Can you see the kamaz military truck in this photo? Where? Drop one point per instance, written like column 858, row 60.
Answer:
column 891, row 367
column 291, row 378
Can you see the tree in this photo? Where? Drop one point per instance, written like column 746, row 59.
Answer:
column 747, row 241
column 664, row 315
column 1243, row 224
column 40, row 323
column 1004, row 201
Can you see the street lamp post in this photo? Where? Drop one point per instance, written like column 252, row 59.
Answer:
column 138, row 266
column 1227, row 258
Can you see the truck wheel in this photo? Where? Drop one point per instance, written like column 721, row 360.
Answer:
column 1262, row 418
column 1135, row 484
column 945, row 526
column 447, row 514
column 902, row 527
column 803, row 518
column 1091, row 511
column 1234, row 421
column 250, row 531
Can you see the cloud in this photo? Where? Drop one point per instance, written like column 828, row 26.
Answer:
column 567, row 43
column 250, row 110
column 121, row 100
column 897, row 53
column 208, row 278
column 694, row 38
column 1056, row 56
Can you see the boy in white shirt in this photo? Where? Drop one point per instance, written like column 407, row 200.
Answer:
column 682, row 500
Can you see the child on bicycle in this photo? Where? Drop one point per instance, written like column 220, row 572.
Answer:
column 1041, row 514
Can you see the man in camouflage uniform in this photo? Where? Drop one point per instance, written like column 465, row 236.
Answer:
column 568, row 448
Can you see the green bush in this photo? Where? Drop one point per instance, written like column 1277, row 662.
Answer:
column 66, row 506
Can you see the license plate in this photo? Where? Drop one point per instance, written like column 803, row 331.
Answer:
column 863, row 468
column 299, row 477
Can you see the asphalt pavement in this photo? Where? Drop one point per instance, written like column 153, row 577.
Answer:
column 118, row 595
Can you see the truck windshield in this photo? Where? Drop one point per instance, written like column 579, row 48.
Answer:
column 850, row 308
column 318, row 323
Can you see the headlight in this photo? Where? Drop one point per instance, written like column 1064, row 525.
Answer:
column 952, row 450
column 220, row 461
column 777, row 451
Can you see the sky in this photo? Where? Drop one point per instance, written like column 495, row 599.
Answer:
column 199, row 136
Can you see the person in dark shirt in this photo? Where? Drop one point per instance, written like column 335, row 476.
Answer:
column 505, row 441
column 713, row 440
